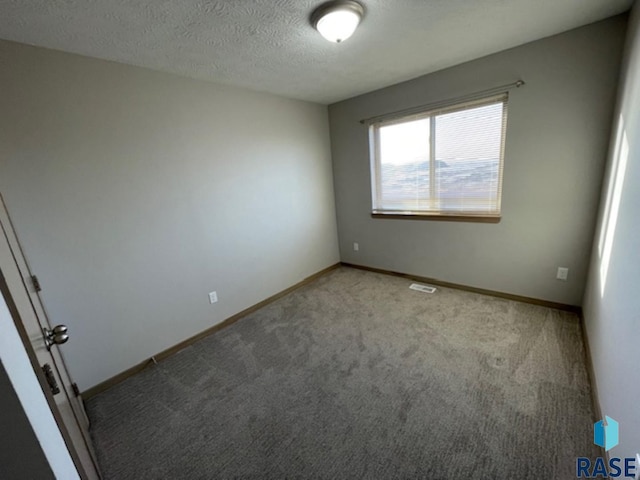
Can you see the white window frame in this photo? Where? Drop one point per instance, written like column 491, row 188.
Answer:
column 433, row 212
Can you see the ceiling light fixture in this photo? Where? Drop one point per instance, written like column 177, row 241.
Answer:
column 337, row 20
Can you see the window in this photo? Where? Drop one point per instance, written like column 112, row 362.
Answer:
column 444, row 162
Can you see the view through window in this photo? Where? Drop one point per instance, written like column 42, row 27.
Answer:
column 443, row 162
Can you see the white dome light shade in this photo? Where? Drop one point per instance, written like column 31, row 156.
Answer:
column 336, row 21
column 338, row 26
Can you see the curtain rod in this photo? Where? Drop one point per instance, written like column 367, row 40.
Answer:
column 420, row 108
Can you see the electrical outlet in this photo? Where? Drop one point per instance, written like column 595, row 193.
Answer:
column 213, row 297
column 356, row 247
column 563, row 273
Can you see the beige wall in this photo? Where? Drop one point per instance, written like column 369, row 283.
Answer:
column 612, row 300
column 135, row 193
column 557, row 136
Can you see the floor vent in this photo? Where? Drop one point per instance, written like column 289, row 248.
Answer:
column 422, row 288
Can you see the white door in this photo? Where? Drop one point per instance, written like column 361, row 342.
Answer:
column 46, row 342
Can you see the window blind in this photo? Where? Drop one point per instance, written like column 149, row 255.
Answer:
column 447, row 161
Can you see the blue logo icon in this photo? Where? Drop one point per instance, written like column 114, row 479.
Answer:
column 605, row 433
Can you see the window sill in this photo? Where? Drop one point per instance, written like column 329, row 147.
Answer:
column 443, row 217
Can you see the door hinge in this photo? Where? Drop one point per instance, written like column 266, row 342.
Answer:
column 36, row 283
column 76, row 390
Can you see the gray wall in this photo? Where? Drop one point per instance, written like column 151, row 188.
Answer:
column 558, row 129
column 20, row 453
column 612, row 302
column 135, row 193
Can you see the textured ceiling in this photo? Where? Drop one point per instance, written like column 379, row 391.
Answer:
column 268, row 45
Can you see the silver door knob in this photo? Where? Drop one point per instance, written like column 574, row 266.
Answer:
column 56, row 336
column 59, row 329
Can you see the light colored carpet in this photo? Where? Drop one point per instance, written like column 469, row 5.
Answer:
column 356, row 376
